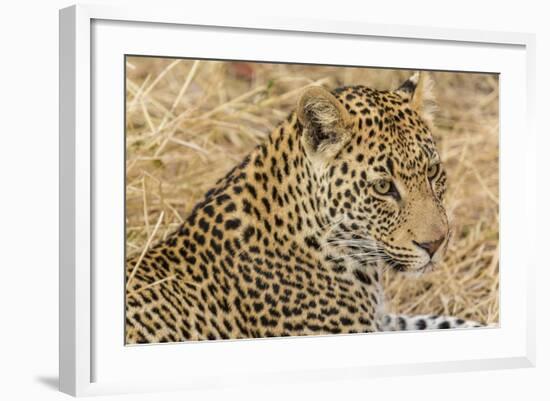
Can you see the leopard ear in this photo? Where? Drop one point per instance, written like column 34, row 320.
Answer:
column 324, row 120
column 418, row 91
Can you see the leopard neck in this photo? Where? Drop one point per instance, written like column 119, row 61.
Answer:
column 285, row 182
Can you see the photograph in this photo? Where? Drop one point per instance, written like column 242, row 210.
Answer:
column 268, row 199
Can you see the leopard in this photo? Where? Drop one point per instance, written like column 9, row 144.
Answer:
column 294, row 240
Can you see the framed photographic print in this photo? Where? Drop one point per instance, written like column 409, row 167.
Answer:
column 342, row 196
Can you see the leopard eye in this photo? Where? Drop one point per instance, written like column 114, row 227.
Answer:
column 386, row 188
column 432, row 171
column 382, row 186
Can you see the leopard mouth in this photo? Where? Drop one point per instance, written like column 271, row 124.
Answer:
column 402, row 268
column 398, row 267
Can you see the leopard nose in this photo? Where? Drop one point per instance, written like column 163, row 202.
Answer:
column 430, row 247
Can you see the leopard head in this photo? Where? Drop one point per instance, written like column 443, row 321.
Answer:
column 380, row 178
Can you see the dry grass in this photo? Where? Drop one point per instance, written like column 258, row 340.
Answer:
column 188, row 122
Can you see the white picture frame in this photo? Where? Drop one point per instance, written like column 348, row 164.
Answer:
column 93, row 358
